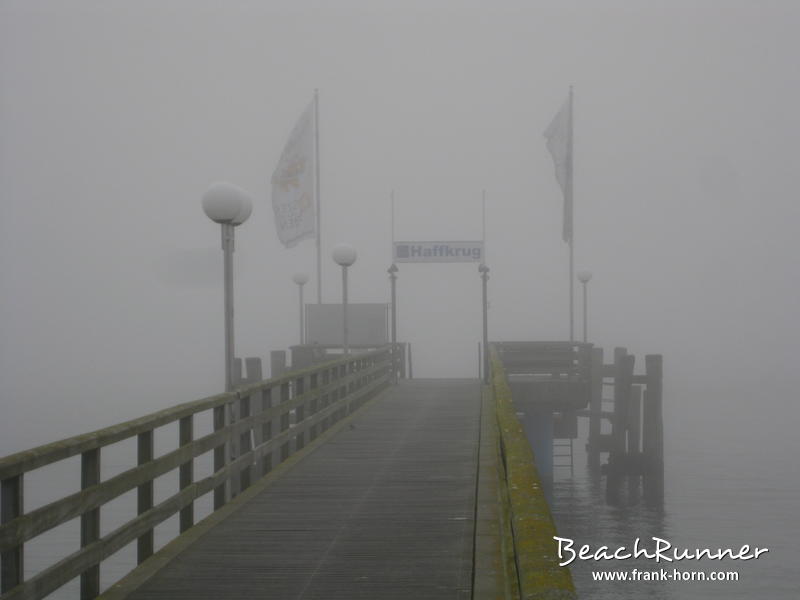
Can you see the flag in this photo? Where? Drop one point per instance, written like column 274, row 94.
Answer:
column 559, row 143
column 293, row 197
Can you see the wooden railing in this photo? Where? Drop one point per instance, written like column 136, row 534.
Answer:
column 255, row 428
column 553, row 360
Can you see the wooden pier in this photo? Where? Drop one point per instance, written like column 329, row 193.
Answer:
column 328, row 482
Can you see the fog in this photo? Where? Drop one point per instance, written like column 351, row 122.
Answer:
column 116, row 116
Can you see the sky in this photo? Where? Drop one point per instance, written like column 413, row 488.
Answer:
column 116, row 116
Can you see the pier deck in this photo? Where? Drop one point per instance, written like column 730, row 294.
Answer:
column 384, row 509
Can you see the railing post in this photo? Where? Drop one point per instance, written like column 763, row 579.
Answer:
column 266, row 431
column 284, row 425
column 186, row 471
column 144, row 493
column 325, row 399
column 220, row 455
column 90, row 523
column 234, row 448
column 299, row 411
column 313, row 405
column 245, row 443
column 11, row 507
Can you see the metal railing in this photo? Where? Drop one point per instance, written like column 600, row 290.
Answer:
column 255, row 427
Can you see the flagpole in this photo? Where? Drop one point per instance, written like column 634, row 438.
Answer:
column 571, row 228
column 316, row 181
column 483, row 223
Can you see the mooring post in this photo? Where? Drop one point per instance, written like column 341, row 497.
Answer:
column 90, row 523
column 11, row 507
column 634, row 442
column 595, row 409
column 653, row 432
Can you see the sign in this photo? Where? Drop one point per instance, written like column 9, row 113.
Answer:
column 438, row 252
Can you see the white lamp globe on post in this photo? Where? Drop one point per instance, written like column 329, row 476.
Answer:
column 584, row 277
column 301, row 279
column 230, row 206
column 344, row 255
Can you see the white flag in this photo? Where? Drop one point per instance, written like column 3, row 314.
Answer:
column 293, row 184
column 559, row 143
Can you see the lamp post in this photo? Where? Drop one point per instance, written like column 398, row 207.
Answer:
column 301, row 279
column 344, row 256
column 228, row 205
column 484, row 271
column 584, row 277
column 393, row 279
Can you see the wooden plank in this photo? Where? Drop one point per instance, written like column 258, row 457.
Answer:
column 386, row 511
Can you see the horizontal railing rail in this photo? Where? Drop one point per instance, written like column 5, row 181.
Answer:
column 255, row 427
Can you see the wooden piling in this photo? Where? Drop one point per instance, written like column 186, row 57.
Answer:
column 623, row 373
column 653, row 426
column 634, row 443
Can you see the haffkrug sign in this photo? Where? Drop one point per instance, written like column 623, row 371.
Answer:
column 438, row 252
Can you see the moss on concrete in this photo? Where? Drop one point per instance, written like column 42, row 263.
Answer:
column 532, row 528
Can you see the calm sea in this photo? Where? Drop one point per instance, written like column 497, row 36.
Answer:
column 732, row 478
